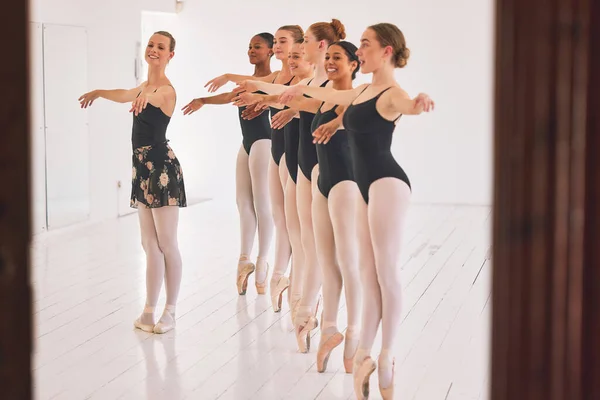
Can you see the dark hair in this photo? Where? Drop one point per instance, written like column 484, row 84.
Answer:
column 350, row 50
column 390, row 35
column 295, row 30
column 171, row 38
column 329, row 31
column 267, row 37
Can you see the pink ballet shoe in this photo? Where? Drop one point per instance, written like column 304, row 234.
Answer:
column 167, row 321
column 245, row 269
column 303, row 327
column 261, row 288
column 362, row 374
column 145, row 327
column 388, row 392
column 277, row 289
column 326, row 346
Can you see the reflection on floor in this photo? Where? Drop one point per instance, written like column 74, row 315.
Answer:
column 89, row 287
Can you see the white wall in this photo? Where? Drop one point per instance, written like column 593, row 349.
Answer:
column 113, row 29
column 447, row 154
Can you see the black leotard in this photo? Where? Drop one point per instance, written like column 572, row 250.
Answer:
column 149, row 127
column 254, row 129
column 291, row 133
column 370, row 137
column 335, row 161
column 277, row 139
column 307, row 151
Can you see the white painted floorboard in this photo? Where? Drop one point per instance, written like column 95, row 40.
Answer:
column 89, row 286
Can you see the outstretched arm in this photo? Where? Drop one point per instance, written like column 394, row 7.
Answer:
column 198, row 103
column 116, row 95
column 269, row 88
column 398, row 101
column 298, row 103
column 214, row 84
column 329, row 95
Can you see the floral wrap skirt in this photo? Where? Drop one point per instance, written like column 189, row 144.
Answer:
column 157, row 178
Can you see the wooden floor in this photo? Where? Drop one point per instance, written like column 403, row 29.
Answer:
column 89, row 287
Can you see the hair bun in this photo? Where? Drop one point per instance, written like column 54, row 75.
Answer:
column 338, row 28
column 402, row 56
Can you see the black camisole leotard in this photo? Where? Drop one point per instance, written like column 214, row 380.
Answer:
column 307, row 151
column 335, row 161
column 254, row 129
column 149, row 127
column 291, row 133
column 370, row 137
column 277, row 135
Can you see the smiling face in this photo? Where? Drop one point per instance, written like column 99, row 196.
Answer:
column 297, row 61
column 371, row 54
column 338, row 65
column 282, row 45
column 158, row 50
column 258, row 51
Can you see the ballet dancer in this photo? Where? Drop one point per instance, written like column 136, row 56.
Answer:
column 303, row 70
column 305, row 296
column 370, row 118
column 335, row 233
column 252, row 179
column 157, row 184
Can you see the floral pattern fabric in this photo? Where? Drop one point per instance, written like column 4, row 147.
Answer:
column 157, row 178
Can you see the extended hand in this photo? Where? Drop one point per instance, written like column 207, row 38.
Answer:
column 139, row 104
column 192, row 106
column 424, row 101
column 216, row 83
column 282, row 118
column 87, row 99
column 324, row 132
column 245, row 86
column 251, row 112
column 245, row 99
column 290, row 94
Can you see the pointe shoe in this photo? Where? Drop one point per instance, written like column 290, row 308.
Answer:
column 277, row 289
column 362, row 374
column 261, row 288
column 164, row 327
column 145, row 327
column 244, row 272
column 303, row 329
column 388, row 392
column 326, row 346
column 303, row 334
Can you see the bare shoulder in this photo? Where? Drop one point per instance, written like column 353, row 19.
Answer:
column 397, row 91
column 167, row 90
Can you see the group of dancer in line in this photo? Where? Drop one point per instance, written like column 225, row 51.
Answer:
column 315, row 165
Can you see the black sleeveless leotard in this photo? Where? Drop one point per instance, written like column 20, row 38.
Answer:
column 277, row 136
column 149, row 127
column 254, row 129
column 335, row 161
column 370, row 137
column 291, row 133
column 307, row 151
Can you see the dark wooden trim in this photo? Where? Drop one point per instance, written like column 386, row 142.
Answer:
column 546, row 246
column 15, row 294
column 546, row 201
column 591, row 322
